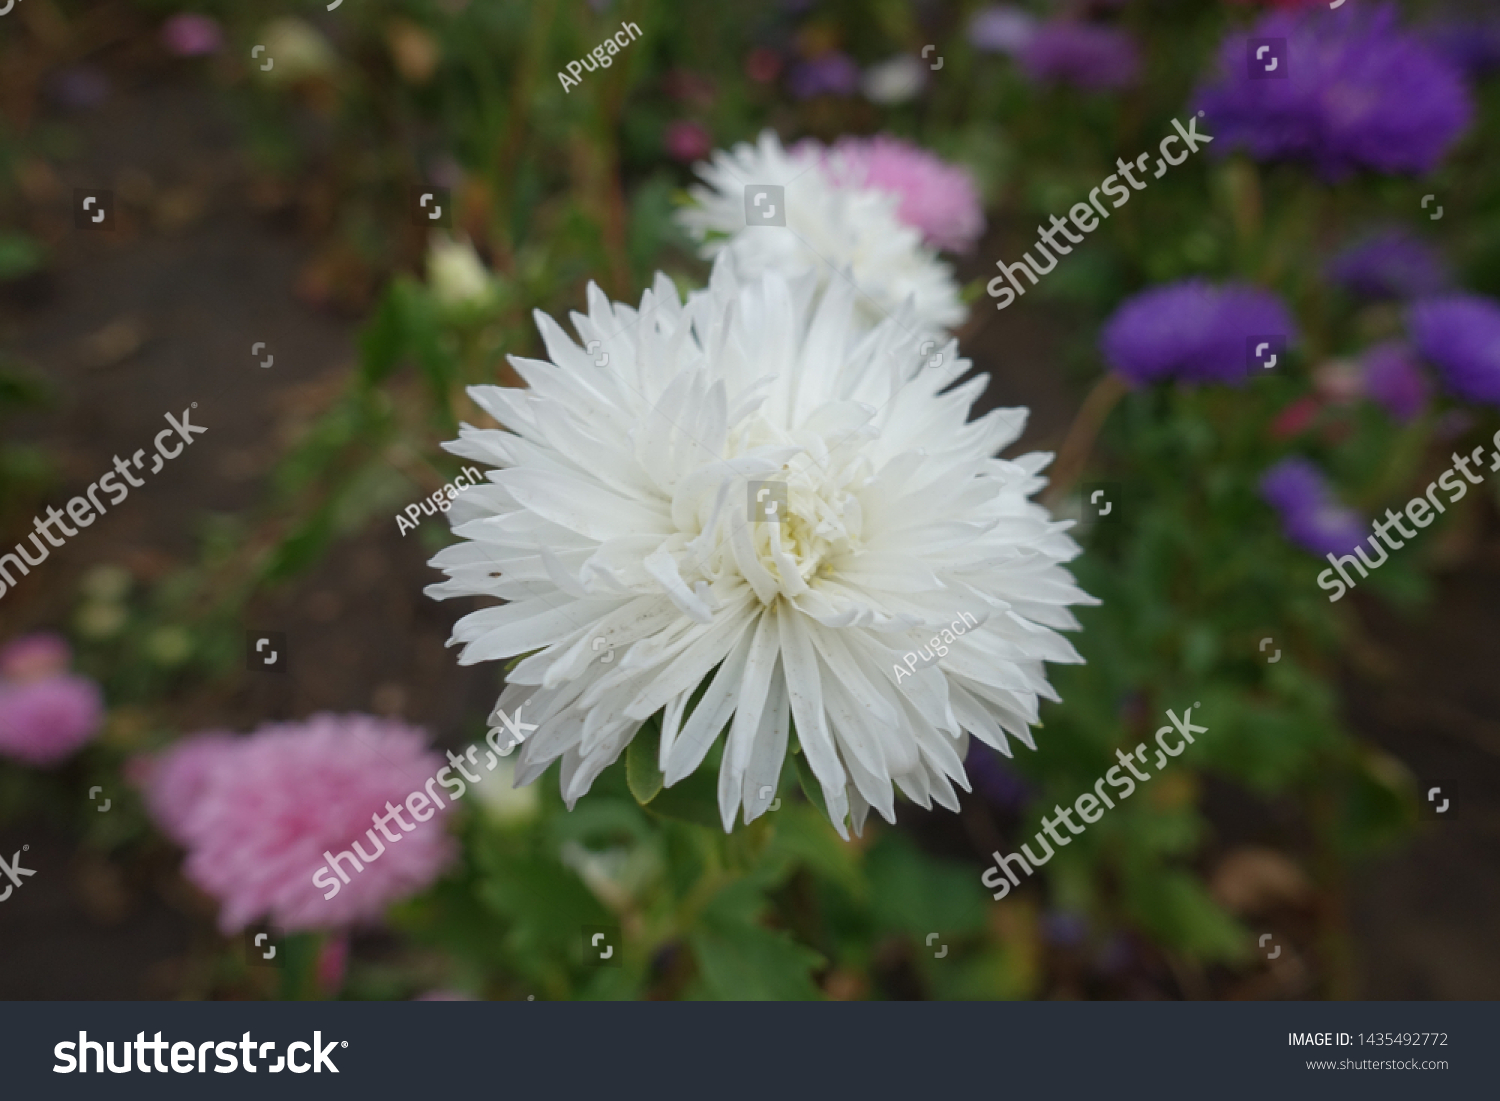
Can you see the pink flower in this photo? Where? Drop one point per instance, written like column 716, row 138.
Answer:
column 937, row 198
column 1295, row 418
column 258, row 815
column 687, row 141
column 173, row 782
column 188, row 34
column 43, row 722
column 32, row 657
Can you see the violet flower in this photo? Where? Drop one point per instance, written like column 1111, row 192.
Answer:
column 1193, row 331
column 1311, row 516
column 1391, row 264
column 1358, row 92
column 1460, row 335
column 1085, row 55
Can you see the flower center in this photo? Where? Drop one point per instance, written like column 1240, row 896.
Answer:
column 819, row 525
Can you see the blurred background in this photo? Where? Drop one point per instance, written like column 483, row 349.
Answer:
column 261, row 258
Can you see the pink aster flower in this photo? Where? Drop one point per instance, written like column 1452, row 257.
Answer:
column 260, row 815
column 174, row 781
column 46, row 713
column 34, row 656
column 188, row 34
column 45, row 721
column 937, row 198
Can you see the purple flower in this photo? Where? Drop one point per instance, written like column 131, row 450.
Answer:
column 993, row 779
column 1311, row 516
column 1359, row 92
column 1391, row 264
column 1002, row 29
column 188, row 34
column 43, row 722
column 1472, row 45
column 1085, row 55
column 1460, row 335
column 1192, row 330
column 1392, row 379
column 833, row 74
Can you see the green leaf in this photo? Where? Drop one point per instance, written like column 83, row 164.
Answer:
column 19, row 255
column 805, row 834
column 742, row 962
column 642, row 772
column 1178, row 911
column 545, row 902
column 921, row 894
column 692, row 799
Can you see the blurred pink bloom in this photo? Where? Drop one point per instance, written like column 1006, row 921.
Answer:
column 188, row 34
column 688, row 141
column 259, row 817
column 937, row 198
column 44, row 721
column 32, row 657
column 173, row 781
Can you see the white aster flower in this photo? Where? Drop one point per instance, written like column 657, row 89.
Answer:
column 835, row 234
column 618, row 531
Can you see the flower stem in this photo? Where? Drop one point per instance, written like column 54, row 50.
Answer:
column 1079, row 442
